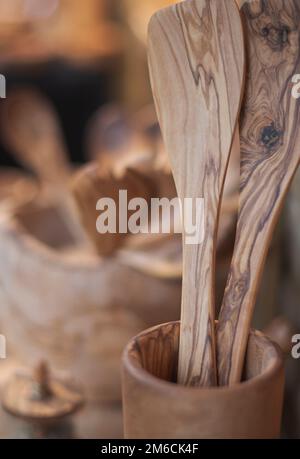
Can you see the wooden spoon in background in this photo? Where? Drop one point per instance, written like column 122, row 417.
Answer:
column 30, row 128
column 93, row 182
column 196, row 55
column 270, row 154
column 16, row 190
column 115, row 142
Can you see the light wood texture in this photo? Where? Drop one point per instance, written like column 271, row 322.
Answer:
column 93, row 183
column 269, row 158
column 196, row 59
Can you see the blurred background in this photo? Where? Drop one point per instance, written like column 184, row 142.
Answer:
column 78, row 122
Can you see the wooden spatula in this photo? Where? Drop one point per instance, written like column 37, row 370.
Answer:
column 270, row 154
column 30, row 129
column 196, row 55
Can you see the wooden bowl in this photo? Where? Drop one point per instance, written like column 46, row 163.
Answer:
column 66, row 305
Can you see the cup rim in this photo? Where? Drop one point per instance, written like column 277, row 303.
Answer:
column 153, row 382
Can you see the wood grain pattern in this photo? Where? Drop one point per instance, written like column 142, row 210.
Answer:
column 270, row 153
column 40, row 397
column 196, row 56
column 154, row 407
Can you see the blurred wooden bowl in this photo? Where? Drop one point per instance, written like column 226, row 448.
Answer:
column 69, row 306
column 94, row 182
column 16, row 189
column 35, row 32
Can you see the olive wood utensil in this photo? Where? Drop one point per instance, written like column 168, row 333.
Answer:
column 196, row 55
column 16, row 190
column 270, row 154
column 112, row 138
column 30, row 129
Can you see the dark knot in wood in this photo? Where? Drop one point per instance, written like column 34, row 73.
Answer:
column 238, row 287
column 270, row 136
column 276, row 37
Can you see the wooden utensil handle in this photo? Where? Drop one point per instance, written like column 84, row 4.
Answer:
column 49, row 163
column 197, row 340
column 250, row 252
column 236, row 313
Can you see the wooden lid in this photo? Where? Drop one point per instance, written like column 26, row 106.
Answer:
column 39, row 397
